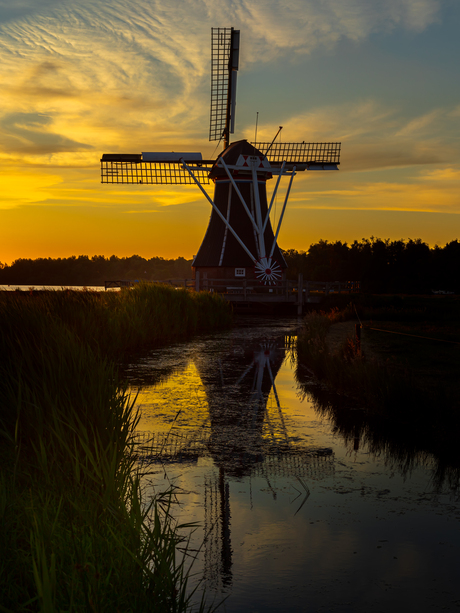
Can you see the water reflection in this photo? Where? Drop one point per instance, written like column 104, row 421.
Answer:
column 237, row 386
column 244, row 433
column 405, row 444
column 289, row 497
column 246, row 439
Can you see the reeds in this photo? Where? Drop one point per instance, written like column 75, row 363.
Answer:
column 347, row 370
column 386, row 404
column 76, row 533
column 115, row 322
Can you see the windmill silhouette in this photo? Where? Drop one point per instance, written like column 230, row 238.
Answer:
column 239, row 241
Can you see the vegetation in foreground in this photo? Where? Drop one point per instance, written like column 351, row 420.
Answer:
column 76, row 533
column 397, row 392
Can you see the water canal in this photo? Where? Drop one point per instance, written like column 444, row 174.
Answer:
column 292, row 513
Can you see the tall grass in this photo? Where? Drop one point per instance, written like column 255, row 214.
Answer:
column 379, row 401
column 76, row 533
column 114, row 322
column 347, row 370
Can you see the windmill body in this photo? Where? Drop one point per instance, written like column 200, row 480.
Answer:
column 244, row 209
column 240, row 242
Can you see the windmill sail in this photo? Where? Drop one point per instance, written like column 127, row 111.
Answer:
column 225, row 44
column 314, row 155
column 153, row 168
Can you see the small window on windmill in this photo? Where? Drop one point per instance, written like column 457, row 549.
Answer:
column 240, row 272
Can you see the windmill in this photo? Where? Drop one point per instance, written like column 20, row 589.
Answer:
column 239, row 242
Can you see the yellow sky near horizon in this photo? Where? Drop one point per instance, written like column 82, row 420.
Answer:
column 131, row 76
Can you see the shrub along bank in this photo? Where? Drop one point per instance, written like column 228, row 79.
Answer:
column 76, row 534
column 415, row 357
column 399, row 390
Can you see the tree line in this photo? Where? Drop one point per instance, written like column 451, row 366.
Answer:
column 83, row 270
column 381, row 265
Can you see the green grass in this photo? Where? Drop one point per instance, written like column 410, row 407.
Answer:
column 116, row 322
column 77, row 534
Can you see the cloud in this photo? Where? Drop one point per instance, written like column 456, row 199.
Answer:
column 442, row 174
column 381, row 196
column 374, row 136
column 419, row 124
column 131, row 74
column 45, row 80
column 29, row 133
column 79, row 79
column 105, row 72
column 10, row 11
column 303, row 25
column 25, row 185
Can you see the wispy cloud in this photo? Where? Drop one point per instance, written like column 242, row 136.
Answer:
column 30, row 133
column 132, row 74
column 25, row 185
column 420, row 125
column 374, row 136
column 300, row 26
column 381, row 196
column 442, row 174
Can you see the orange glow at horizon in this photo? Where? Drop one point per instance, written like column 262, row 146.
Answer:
column 76, row 84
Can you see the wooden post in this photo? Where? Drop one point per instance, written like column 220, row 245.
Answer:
column 244, row 288
column 358, row 338
column 197, row 281
column 300, row 294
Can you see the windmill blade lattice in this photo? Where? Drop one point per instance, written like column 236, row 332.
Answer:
column 132, row 168
column 224, row 64
column 300, row 153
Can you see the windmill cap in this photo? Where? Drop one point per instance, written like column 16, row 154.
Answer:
column 231, row 156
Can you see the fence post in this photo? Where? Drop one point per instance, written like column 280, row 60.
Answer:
column 300, row 294
column 197, row 281
column 358, row 338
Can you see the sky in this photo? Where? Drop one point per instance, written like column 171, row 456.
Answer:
column 85, row 77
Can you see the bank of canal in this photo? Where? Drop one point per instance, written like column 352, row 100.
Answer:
column 290, row 516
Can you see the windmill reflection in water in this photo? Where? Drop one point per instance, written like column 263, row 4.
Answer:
column 244, row 439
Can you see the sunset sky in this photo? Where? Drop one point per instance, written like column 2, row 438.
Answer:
column 84, row 77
